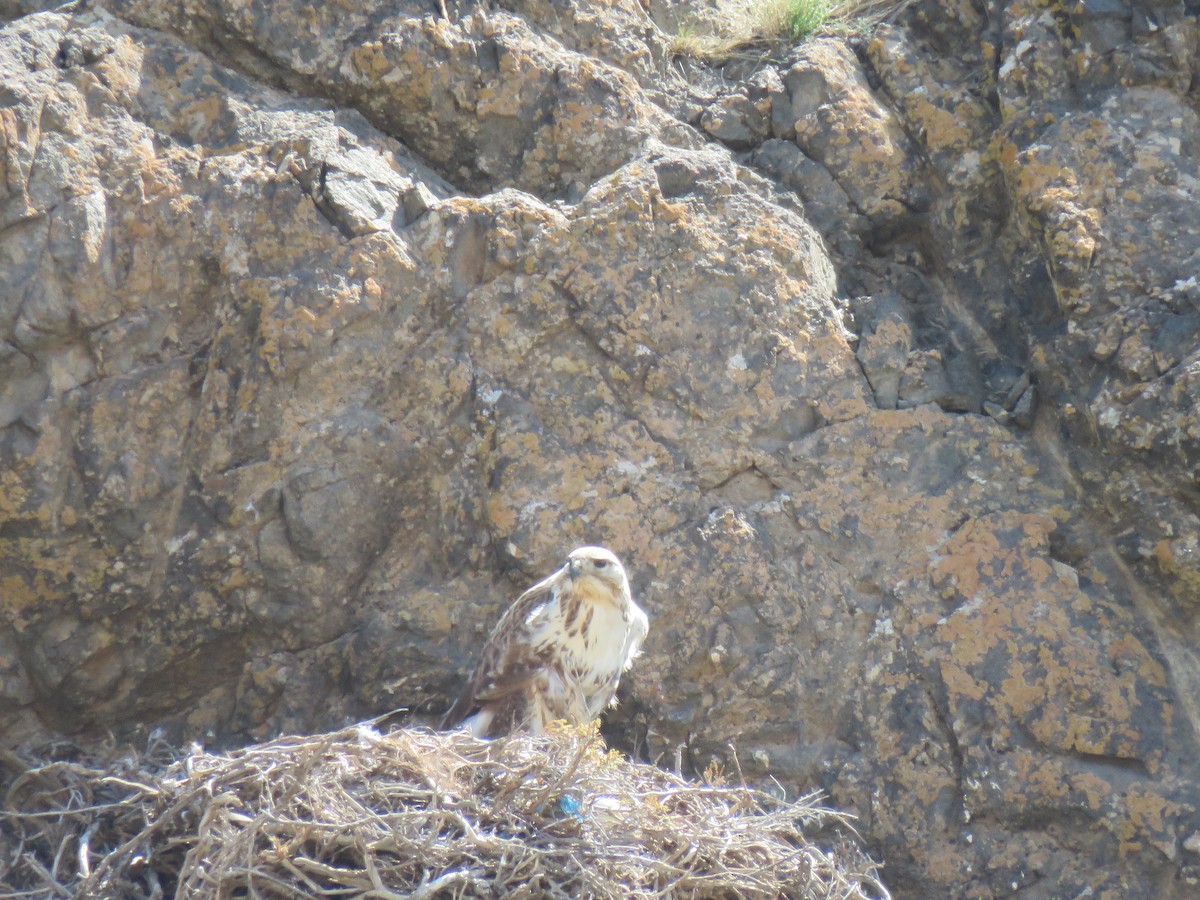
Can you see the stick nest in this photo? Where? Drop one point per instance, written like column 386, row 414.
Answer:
column 413, row 813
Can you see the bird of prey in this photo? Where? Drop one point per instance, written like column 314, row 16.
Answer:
column 557, row 652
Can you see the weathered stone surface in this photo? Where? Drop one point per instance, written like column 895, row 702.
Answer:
column 885, row 345
column 826, row 203
column 619, row 32
column 1089, row 155
column 741, row 118
column 324, row 328
column 512, row 106
column 839, row 122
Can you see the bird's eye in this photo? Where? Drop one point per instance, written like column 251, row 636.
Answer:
column 601, row 563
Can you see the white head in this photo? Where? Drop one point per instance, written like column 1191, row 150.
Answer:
column 599, row 563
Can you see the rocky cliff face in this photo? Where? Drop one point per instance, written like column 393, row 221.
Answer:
column 324, row 328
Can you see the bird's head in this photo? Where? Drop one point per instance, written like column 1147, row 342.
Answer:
column 599, row 563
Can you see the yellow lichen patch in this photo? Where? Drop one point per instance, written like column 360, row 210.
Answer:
column 1094, row 791
column 1128, row 653
column 1149, row 819
column 958, row 680
column 1176, row 557
column 1021, row 688
column 17, row 599
column 1019, row 632
column 963, row 563
column 13, row 496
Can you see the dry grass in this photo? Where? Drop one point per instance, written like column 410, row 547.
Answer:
column 744, row 26
column 413, row 813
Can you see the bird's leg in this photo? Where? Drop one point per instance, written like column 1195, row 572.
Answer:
column 581, row 709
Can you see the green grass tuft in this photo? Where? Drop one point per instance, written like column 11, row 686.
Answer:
column 742, row 25
column 794, row 19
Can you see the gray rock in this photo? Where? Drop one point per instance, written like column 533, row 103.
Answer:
column 326, row 328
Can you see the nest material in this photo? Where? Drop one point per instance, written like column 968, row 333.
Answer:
column 413, row 813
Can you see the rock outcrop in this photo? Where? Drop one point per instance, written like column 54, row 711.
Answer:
column 324, row 328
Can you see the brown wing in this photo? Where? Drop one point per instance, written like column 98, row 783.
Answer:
column 512, row 656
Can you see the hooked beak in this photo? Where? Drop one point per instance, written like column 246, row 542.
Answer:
column 573, row 568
